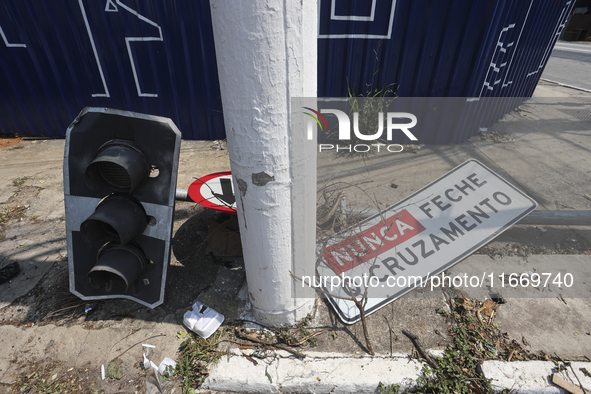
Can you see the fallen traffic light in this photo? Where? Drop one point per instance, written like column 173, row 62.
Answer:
column 120, row 171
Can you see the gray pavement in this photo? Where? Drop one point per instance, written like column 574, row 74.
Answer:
column 543, row 148
column 570, row 64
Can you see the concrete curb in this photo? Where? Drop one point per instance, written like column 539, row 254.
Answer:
column 566, row 85
column 528, row 377
column 321, row 373
column 317, row 373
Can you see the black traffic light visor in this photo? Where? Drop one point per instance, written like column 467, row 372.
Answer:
column 119, row 166
column 117, row 267
column 118, row 217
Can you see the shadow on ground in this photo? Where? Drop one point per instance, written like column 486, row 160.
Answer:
column 191, row 273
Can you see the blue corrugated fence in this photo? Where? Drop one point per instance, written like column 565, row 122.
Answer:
column 158, row 57
column 435, row 48
column 155, row 57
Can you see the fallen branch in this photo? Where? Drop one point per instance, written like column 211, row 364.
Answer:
column 54, row 313
column 357, row 303
column 478, row 315
column 241, row 335
column 304, row 339
column 415, row 341
column 137, row 343
column 390, row 331
column 510, row 355
column 331, row 212
column 568, row 386
column 364, row 325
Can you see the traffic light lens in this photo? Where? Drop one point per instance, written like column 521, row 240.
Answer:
column 117, row 268
column 118, row 166
column 115, row 175
column 106, row 230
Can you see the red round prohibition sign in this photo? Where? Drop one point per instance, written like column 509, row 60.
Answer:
column 214, row 191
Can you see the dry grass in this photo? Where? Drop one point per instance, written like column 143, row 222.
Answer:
column 7, row 140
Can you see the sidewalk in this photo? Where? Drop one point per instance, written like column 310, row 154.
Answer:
column 543, row 148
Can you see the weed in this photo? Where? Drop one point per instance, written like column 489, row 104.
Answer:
column 390, row 389
column 299, row 336
column 305, row 322
column 442, row 312
column 10, row 213
column 195, row 356
column 473, row 342
column 19, row 181
column 366, row 112
column 495, row 136
column 115, row 369
column 365, row 107
column 44, row 380
column 457, row 372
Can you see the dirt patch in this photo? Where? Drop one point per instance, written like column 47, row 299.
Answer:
column 15, row 209
column 7, row 141
column 48, row 376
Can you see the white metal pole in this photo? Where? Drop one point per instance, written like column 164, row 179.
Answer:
column 266, row 54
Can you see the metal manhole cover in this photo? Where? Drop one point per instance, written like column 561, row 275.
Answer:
column 581, row 114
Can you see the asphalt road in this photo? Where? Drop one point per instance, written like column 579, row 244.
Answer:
column 570, row 64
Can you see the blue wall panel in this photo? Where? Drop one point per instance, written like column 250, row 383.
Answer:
column 439, row 48
column 158, row 57
column 152, row 56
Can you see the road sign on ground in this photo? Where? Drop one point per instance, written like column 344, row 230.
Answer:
column 406, row 245
column 214, row 191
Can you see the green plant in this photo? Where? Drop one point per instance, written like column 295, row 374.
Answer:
column 474, row 340
column 442, row 312
column 10, row 213
column 19, row 181
column 305, row 322
column 195, row 356
column 299, row 336
column 390, row 389
column 366, row 107
column 457, row 372
column 370, row 90
column 46, row 380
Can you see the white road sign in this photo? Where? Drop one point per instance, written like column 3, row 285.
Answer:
column 412, row 241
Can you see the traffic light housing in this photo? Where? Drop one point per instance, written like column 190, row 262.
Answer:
column 120, row 171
